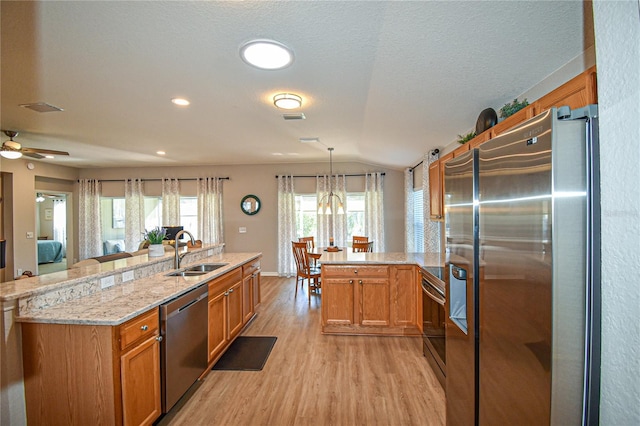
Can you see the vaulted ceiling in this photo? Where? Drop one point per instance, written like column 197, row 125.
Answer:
column 382, row 82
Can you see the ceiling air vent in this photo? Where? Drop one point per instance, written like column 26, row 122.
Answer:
column 294, row 116
column 41, row 107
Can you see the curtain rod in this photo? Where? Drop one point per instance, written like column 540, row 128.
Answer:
column 312, row 176
column 413, row 168
column 152, row 180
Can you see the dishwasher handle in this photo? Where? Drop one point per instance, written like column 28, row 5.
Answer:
column 179, row 306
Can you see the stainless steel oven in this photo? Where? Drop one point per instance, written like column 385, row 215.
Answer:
column 433, row 320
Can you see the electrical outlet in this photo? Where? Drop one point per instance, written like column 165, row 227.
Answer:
column 210, row 252
column 127, row 276
column 29, row 234
column 19, row 272
column 107, row 282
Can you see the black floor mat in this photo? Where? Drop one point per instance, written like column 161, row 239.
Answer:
column 246, row 353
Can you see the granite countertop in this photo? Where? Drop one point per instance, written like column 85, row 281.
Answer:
column 346, row 256
column 119, row 303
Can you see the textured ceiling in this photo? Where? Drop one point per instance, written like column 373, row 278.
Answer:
column 382, row 82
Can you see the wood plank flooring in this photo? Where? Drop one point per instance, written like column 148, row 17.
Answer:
column 315, row 379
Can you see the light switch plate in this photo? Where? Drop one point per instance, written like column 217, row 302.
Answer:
column 107, row 282
column 29, row 234
column 127, row 276
column 242, row 230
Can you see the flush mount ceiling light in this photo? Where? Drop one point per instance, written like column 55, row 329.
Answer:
column 180, row 101
column 287, row 101
column 266, row 54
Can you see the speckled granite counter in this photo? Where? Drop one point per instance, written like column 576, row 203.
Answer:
column 346, row 256
column 76, row 297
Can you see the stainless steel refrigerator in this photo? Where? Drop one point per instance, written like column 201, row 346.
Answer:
column 522, row 288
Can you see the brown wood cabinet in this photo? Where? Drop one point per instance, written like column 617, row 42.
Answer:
column 88, row 374
column 225, row 311
column 576, row 93
column 367, row 299
column 250, row 289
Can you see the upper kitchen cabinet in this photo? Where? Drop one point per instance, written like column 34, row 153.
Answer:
column 575, row 93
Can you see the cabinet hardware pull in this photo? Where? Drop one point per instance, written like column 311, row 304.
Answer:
column 360, row 282
column 144, row 327
column 226, row 293
column 355, row 272
column 159, row 338
column 350, row 281
column 230, row 290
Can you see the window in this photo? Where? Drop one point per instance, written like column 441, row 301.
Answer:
column 306, row 216
column 189, row 214
column 355, row 215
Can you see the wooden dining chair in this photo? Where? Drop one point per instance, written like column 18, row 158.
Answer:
column 363, row 247
column 304, row 269
column 357, row 239
column 311, row 244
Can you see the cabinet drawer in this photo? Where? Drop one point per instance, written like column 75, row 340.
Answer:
column 225, row 282
column 250, row 268
column 350, row 271
column 140, row 327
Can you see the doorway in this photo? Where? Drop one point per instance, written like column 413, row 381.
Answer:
column 51, row 231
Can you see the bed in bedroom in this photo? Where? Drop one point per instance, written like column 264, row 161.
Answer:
column 50, row 251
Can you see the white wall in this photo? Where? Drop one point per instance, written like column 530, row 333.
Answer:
column 617, row 28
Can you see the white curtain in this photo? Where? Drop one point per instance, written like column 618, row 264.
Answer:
column 60, row 223
column 170, row 202
column 210, row 223
column 134, row 214
column 286, row 226
column 332, row 225
column 374, row 210
column 89, row 226
column 431, row 228
column 409, row 223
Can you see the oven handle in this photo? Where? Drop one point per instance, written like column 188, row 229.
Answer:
column 434, row 293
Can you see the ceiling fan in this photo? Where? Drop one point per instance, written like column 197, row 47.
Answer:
column 12, row 149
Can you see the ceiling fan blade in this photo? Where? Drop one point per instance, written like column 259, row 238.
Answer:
column 32, row 155
column 43, row 151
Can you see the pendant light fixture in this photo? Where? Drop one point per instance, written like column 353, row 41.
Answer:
column 324, row 207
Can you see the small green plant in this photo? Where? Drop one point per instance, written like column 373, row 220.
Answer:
column 156, row 235
column 466, row 138
column 512, row 108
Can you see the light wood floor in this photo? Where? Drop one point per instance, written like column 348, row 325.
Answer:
column 315, row 379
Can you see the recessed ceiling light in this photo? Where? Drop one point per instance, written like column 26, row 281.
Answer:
column 266, row 54
column 180, row 101
column 49, row 156
column 160, row 152
column 287, row 101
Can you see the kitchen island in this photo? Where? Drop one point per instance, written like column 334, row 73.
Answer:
column 94, row 351
column 373, row 293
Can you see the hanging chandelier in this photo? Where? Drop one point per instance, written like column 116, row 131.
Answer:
column 324, row 205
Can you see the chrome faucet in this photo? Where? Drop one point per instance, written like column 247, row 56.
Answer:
column 180, row 256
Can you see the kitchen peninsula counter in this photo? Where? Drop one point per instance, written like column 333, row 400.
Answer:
column 347, row 257
column 119, row 303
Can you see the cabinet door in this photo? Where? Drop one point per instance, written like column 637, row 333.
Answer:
column 234, row 305
column 435, row 194
column 373, row 301
column 255, row 293
column 404, row 296
column 218, row 334
column 247, row 303
column 140, row 380
column 337, row 301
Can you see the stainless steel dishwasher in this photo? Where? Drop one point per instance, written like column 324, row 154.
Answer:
column 183, row 349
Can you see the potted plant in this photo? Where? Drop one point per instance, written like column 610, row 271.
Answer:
column 155, row 237
column 512, row 108
column 462, row 139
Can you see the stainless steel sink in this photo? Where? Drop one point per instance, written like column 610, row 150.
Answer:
column 185, row 273
column 206, row 267
column 196, row 270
